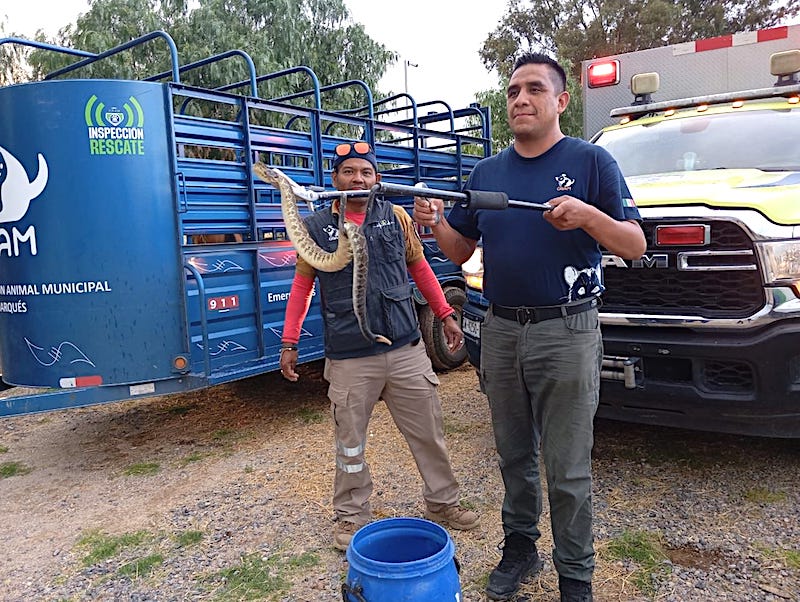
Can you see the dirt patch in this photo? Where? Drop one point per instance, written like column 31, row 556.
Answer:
column 695, row 559
column 249, row 466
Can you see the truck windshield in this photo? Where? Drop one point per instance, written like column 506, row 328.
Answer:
column 763, row 139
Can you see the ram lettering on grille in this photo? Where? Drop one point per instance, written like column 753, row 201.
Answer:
column 656, row 260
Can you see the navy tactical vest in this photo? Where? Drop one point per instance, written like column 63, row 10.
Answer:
column 390, row 305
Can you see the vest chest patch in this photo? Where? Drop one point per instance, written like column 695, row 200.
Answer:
column 332, row 232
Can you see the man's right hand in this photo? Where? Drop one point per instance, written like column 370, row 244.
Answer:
column 428, row 212
column 289, row 364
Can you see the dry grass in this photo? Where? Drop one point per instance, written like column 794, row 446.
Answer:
column 248, row 468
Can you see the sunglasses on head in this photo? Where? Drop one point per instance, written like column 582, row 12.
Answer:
column 344, row 149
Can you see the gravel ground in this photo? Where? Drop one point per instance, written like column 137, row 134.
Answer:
column 207, row 496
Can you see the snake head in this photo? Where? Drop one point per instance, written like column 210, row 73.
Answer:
column 274, row 176
column 270, row 175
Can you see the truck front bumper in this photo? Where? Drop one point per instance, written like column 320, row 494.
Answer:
column 744, row 381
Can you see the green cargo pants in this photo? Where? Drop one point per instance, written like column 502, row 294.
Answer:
column 542, row 381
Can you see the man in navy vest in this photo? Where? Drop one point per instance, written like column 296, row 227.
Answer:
column 361, row 371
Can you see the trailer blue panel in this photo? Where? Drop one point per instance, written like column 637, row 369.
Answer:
column 91, row 276
column 139, row 254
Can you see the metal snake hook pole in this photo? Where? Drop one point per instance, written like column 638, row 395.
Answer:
column 342, row 211
column 370, row 203
column 471, row 199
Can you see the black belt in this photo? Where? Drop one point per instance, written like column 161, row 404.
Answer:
column 523, row 315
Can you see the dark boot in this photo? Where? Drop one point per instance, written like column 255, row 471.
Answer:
column 520, row 560
column 573, row 590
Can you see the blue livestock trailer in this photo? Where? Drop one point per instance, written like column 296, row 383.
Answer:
column 140, row 256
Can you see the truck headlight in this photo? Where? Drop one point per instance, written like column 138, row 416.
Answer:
column 781, row 262
column 472, row 269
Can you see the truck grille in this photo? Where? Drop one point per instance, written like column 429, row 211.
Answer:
column 727, row 376
column 678, row 280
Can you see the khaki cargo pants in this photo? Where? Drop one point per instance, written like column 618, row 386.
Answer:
column 405, row 380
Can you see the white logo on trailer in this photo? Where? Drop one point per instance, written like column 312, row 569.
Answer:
column 16, row 193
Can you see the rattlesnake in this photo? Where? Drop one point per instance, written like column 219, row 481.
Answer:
column 358, row 242
column 355, row 248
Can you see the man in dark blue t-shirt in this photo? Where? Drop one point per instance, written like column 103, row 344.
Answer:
column 541, row 348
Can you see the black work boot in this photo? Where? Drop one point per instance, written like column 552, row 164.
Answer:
column 573, row 590
column 520, row 560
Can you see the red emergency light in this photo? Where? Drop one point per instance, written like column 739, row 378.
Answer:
column 603, row 73
column 683, row 235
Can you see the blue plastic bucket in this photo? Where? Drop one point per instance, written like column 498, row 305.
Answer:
column 402, row 559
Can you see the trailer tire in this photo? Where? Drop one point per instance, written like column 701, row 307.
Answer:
column 442, row 358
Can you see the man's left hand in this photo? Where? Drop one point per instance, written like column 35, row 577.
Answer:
column 453, row 334
column 569, row 213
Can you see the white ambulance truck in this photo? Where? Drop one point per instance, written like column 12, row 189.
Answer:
column 691, row 69
column 704, row 330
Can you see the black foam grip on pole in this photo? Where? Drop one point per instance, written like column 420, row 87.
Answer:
column 484, row 199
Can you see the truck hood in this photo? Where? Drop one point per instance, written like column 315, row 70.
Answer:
column 774, row 194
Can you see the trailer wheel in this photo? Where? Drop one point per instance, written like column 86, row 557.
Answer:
column 442, row 358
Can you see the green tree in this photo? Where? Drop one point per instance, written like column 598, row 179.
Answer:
column 12, row 60
column 496, row 101
column 577, row 30
column 573, row 31
column 277, row 34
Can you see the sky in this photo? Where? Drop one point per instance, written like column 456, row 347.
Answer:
column 441, row 37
